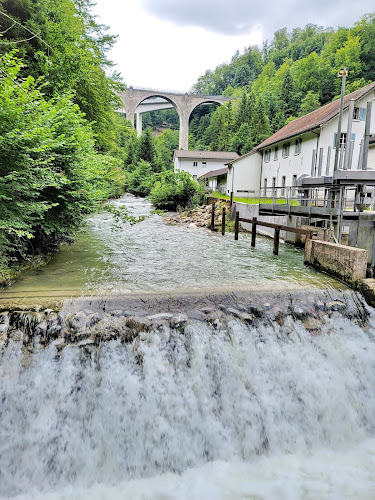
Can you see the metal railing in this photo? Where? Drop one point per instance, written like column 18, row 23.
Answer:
column 347, row 197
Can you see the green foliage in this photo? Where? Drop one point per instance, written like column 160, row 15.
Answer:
column 122, row 213
column 176, row 190
column 309, row 103
column 165, row 144
column 70, row 56
column 50, row 174
column 146, row 148
column 141, row 179
column 292, row 75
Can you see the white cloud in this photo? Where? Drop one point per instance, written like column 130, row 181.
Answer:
column 168, row 44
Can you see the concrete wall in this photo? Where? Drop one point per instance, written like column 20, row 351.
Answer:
column 348, row 263
column 247, row 211
column 244, row 175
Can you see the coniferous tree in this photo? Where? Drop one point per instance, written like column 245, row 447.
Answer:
column 260, row 125
column 146, row 148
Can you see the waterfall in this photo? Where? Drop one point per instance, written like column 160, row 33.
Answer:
column 265, row 408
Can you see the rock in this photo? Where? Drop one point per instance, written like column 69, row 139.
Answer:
column 94, row 319
column 4, row 321
column 179, row 320
column 77, row 321
column 311, row 323
column 160, row 317
column 234, row 312
column 207, row 310
column 193, row 225
column 246, row 317
column 116, row 312
column 335, row 305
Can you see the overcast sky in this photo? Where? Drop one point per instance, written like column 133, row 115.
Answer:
column 168, row 44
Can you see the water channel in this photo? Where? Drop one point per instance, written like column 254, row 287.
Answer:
column 254, row 379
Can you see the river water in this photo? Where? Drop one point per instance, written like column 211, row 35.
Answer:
column 219, row 410
column 116, row 258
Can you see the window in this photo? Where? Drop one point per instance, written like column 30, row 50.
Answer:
column 265, row 187
column 283, row 182
column 273, row 185
column 298, row 146
column 342, row 139
column 195, row 163
column 359, row 114
column 203, row 163
column 286, row 149
column 276, row 153
column 267, row 155
column 195, row 177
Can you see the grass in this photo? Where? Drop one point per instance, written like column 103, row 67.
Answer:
column 252, row 201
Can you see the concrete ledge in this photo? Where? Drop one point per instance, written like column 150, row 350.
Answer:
column 367, row 289
column 347, row 263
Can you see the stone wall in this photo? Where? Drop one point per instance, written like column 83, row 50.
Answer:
column 347, row 263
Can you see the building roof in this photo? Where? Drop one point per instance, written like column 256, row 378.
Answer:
column 206, row 155
column 214, row 173
column 315, row 119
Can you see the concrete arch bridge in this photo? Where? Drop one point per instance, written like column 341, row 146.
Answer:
column 184, row 103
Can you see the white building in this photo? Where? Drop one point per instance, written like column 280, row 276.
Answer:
column 198, row 163
column 216, row 180
column 307, row 145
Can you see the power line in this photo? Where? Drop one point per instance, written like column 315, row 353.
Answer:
column 27, row 29
column 17, row 41
column 10, row 27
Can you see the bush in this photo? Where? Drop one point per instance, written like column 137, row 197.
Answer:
column 50, row 174
column 173, row 190
column 141, row 180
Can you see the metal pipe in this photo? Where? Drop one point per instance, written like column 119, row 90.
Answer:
column 367, row 135
column 348, row 134
column 343, row 73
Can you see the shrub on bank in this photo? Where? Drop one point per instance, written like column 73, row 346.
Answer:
column 176, row 189
column 50, row 174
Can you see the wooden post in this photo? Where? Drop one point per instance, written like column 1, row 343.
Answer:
column 236, row 225
column 253, row 231
column 276, row 241
column 213, row 217
column 231, row 198
column 223, row 222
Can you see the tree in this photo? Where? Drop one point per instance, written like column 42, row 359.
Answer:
column 260, row 126
column 288, row 96
column 50, row 174
column 146, row 148
column 309, row 103
column 69, row 53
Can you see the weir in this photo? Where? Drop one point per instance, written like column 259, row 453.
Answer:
column 262, row 391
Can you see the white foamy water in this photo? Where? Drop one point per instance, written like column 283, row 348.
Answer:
column 239, row 412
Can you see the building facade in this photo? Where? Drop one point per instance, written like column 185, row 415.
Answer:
column 307, row 146
column 198, row 163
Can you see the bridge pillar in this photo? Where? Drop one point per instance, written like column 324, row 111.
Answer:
column 139, row 124
column 184, row 115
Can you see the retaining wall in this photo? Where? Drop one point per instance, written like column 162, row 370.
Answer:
column 347, row 263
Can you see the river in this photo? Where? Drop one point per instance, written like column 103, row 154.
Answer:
column 254, row 381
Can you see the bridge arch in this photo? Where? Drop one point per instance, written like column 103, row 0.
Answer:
column 183, row 103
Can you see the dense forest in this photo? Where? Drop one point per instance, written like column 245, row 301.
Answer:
column 288, row 77
column 64, row 150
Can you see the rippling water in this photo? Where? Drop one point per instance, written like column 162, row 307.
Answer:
column 112, row 257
